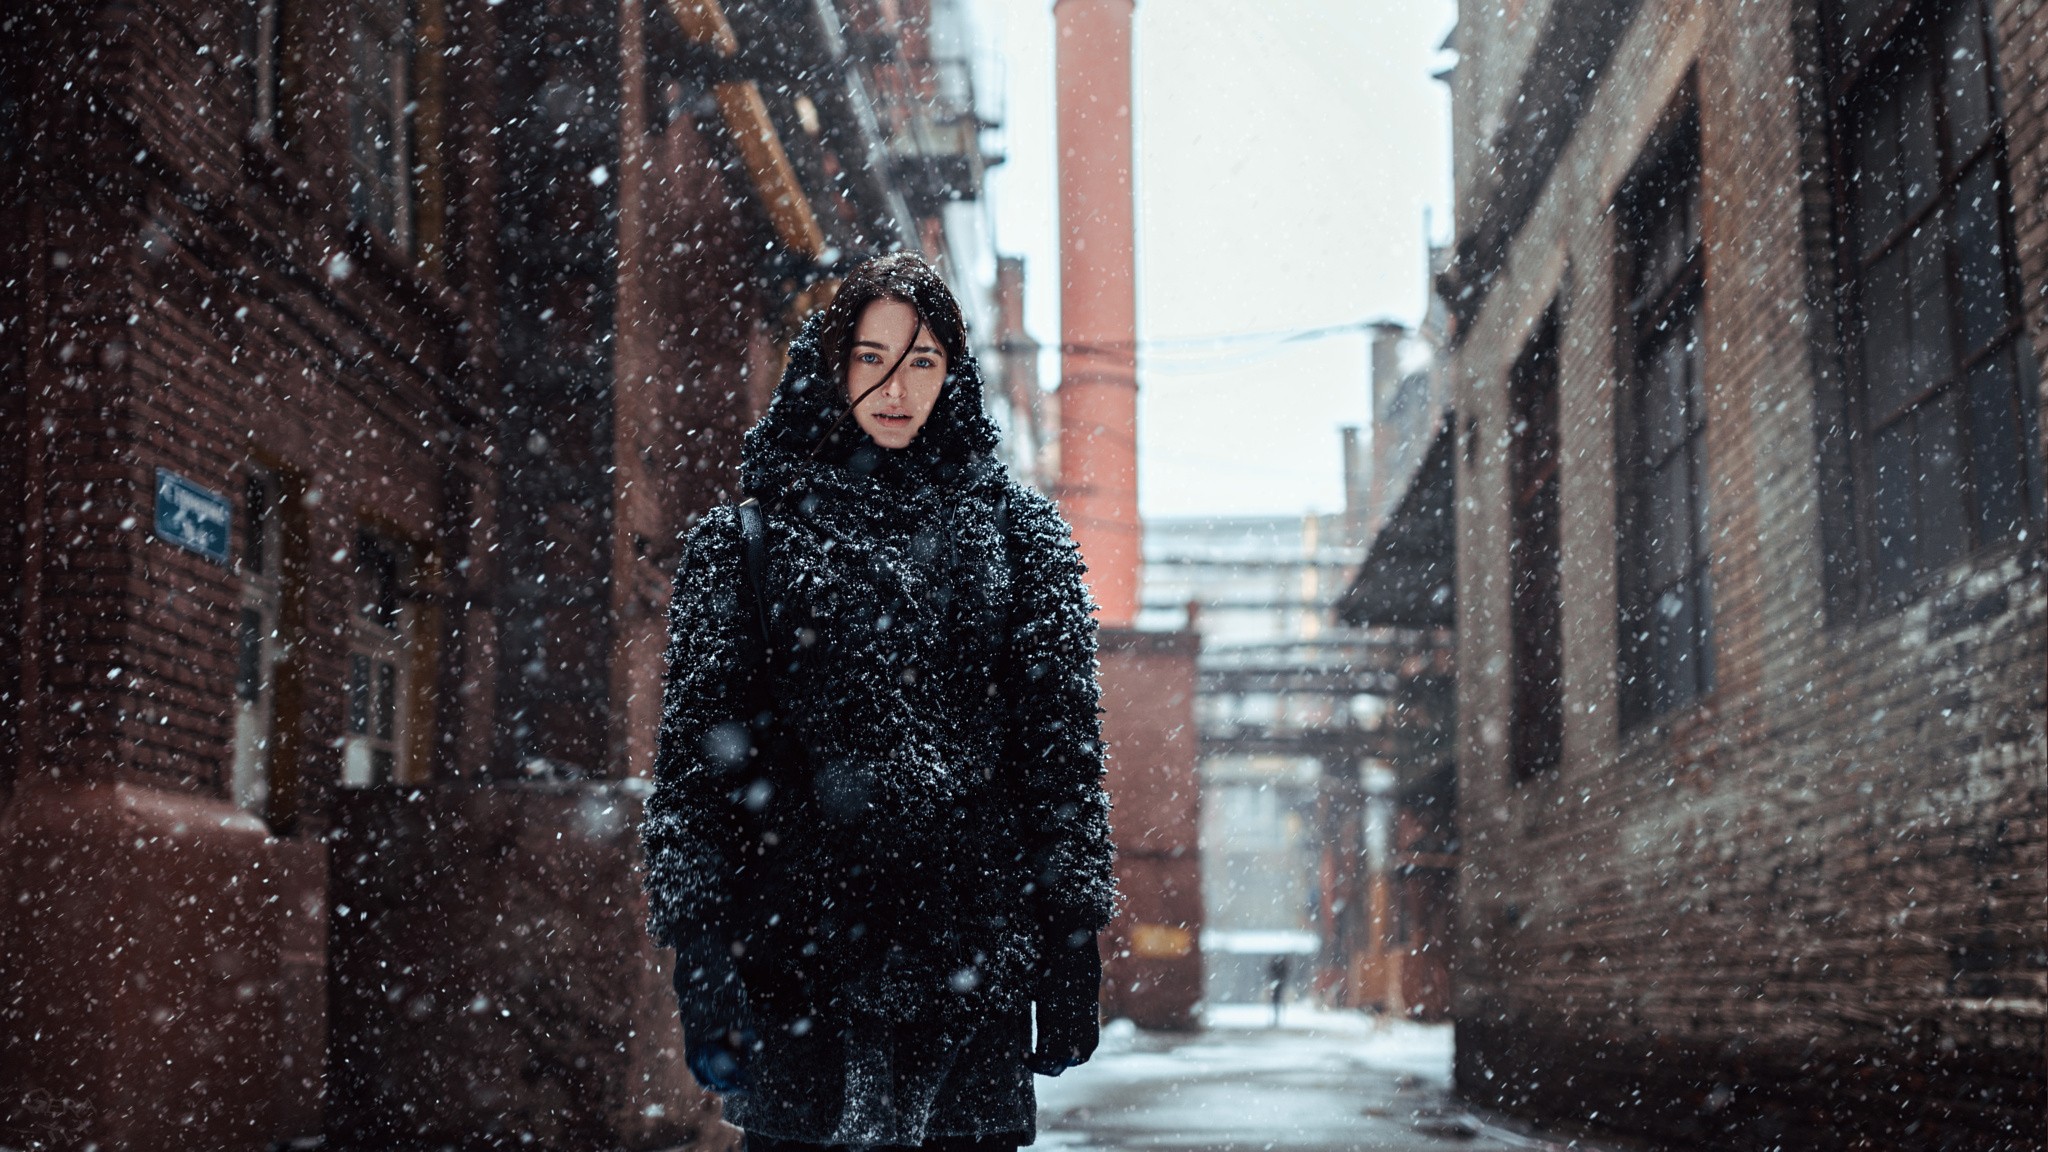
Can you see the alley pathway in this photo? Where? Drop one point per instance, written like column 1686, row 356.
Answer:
column 1323, row 1080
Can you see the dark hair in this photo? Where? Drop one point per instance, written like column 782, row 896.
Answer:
column 901, row 276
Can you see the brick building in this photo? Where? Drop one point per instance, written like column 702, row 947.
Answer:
column 1750, row 603
column 1401, row 493
column 362, row 360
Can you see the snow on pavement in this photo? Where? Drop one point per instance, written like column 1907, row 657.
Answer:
column 1322, row 1080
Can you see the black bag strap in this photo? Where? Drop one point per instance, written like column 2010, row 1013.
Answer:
column 1009, row 606
column 754, row 535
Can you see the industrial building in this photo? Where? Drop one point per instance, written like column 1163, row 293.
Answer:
column 1751, row 627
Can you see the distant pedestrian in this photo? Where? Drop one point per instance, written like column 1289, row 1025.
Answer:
column 878, row 838
column 1276, row 974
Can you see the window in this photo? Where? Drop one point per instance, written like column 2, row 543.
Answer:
column 1666, row 612
column 261, row 50
column 377, row 693
column 380, row 119
column 1536, row 722
column 399, row 188
column 1941, row 414
column 273, row 41
column 257, row 643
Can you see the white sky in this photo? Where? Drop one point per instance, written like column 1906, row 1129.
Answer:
column 1287, row 150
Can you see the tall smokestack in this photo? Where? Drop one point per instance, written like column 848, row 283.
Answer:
column 1355, row 463
column 1386, row 364
column 1098, row 487
column 1019, row 359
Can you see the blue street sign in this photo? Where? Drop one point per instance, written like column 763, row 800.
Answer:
column 192, row 517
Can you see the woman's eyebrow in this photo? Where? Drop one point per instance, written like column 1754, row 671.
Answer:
column 927, row 349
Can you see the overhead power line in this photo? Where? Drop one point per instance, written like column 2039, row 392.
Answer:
column 1193, row 354
column 1230, row 340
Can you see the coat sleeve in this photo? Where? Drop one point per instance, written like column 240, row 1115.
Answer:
column 1056, row 740
column 691, row 831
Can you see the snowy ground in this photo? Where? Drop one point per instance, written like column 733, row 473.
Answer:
column 1322, row 1080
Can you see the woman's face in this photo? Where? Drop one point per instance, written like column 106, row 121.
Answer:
column 894, row 413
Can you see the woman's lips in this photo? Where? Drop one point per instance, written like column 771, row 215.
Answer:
column 893, row 417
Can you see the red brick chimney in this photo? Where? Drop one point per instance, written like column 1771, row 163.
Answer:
column 1152, row 970
column 1098, row 488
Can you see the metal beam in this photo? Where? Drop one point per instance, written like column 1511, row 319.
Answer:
column 1413, row 756
column 704, row 22
column 760, row 145
column 1241, row 605
column 1251, row 564
column 1351, row 681
column 1329, row 745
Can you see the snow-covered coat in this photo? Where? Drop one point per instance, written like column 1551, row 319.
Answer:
column 886, row 827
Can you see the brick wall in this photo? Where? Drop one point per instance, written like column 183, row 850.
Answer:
column 191, row 301
column 1152, row 958
column 183, row 296
column 14, row 432
column 199, row 321
column 1808, row 912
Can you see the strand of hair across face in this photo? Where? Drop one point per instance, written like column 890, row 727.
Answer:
column 876, row 387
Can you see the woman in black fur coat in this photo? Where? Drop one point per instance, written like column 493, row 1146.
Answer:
column 878, row 838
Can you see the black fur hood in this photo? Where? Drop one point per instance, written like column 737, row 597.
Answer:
column 811, row 399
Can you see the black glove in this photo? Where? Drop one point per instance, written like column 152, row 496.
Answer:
column 1069, row 1021
column 717, row 1035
